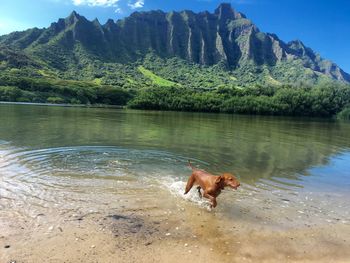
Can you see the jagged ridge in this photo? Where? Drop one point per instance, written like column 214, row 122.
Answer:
column 225, row 36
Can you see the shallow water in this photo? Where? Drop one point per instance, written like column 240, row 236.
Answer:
column 58, row 160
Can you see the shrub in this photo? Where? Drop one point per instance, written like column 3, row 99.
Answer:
column 55, row 100
column 344, row 114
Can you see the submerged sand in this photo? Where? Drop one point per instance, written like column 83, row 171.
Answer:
column 165, row 228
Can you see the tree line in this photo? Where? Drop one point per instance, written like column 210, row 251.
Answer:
column 322, row 100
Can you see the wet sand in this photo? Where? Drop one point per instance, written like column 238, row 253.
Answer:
column 166, row 229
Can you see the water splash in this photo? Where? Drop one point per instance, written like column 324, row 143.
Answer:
column 177, row 189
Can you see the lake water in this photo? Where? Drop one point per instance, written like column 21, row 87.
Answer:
column 62, row 160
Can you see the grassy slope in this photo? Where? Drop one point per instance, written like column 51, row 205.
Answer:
column 157, row 80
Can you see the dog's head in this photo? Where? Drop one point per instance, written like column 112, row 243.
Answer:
column 228, row 179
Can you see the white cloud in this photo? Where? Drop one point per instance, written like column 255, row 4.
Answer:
column 133, row 4
column 137, row 4
column 119, row 10
column 103, row 3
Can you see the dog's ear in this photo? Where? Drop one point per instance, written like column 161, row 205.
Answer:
column 219, row 179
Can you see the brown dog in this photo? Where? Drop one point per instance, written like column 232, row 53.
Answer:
column 211, row 184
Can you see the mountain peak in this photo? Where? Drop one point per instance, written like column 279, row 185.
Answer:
column 224, row 6
column 296, row 42
column 225, row 11
column 299, row 47
column 74, row 14
column 72, row 18
column 96, row 21
column 110, row 22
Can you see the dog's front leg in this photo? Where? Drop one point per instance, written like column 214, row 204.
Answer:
column 211, row 198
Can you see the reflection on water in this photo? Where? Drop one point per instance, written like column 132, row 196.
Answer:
column 253, row 147
column 59, row 158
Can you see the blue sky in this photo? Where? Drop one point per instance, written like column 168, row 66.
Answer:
column 323, row 25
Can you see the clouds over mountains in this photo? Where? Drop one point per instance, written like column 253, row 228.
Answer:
column 133, row 4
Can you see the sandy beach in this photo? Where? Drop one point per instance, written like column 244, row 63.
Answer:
column 169, row 230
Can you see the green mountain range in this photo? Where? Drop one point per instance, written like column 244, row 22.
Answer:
column 201, row 52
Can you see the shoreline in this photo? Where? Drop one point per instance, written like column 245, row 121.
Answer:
column 165, row 231
column 120, row 107
column 64, row 105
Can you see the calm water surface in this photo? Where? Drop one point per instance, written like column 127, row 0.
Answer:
column 57, row 158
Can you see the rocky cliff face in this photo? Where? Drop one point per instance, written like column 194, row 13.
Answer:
column 225, row 36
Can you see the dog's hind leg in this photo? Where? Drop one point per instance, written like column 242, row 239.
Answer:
column 199, row 191
column 190, row 183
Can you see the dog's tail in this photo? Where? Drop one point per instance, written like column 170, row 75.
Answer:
column 191, row 180
column 190, row 165
column 190, row 183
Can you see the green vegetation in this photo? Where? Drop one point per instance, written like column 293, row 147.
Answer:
column 155, row 79
column 344, row 114
column 60, row 91
column 322, row 101
column 178, row 85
